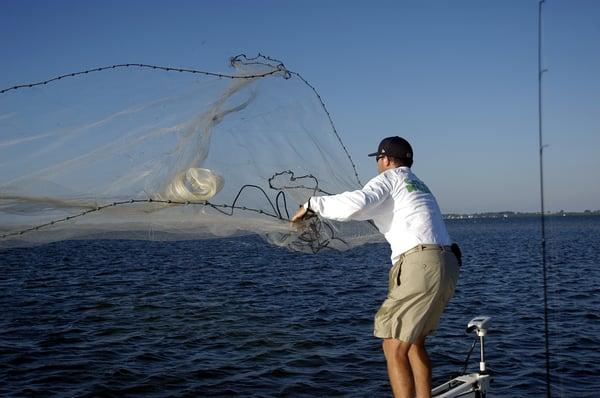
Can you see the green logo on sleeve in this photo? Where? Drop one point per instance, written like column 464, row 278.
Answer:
column 416, row 185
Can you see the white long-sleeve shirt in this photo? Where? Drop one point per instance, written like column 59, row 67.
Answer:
column 400, row 204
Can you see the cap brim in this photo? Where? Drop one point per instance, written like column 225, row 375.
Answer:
column 374, row 154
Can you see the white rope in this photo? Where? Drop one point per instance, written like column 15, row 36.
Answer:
column 194, row 184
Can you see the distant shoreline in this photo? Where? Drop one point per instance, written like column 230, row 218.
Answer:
column 514, row 214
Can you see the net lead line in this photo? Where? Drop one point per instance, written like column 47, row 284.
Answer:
column 143, row 66
column 316, row 234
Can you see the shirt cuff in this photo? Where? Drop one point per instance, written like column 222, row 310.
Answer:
column 307, row 205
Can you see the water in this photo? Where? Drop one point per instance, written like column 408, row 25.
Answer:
column 237, row 317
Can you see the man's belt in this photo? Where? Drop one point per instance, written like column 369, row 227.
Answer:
column 443, row 248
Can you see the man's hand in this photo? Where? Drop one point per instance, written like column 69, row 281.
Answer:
column 300, row 214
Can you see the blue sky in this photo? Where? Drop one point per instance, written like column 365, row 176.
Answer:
column 456, row 78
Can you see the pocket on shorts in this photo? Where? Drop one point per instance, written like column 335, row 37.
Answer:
column 421, row 274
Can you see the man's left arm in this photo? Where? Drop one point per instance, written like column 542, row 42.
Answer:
column 351, row 205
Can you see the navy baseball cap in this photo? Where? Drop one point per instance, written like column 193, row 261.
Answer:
column 396, row 147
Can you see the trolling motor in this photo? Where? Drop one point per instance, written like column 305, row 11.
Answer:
column 473, row 385
column 480, row 326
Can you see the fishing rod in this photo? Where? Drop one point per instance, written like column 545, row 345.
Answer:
column 542, row 217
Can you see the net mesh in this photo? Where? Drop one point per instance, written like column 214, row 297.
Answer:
column 143, row 152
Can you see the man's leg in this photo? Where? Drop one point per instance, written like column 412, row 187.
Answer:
column 398, row 366
column 421, row 368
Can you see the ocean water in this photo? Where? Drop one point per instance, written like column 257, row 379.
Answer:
column 238, row 317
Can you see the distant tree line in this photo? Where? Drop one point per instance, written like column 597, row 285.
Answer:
column 506, row 214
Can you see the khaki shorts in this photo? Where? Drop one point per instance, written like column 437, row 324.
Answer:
column 413, row 307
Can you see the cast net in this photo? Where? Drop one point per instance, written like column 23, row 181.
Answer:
column 137, row 151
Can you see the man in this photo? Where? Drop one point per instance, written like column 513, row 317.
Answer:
column 425, row 266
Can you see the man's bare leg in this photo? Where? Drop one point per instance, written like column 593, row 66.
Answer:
column 398, row 366
column 421, row 368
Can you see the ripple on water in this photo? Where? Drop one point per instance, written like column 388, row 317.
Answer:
column 237, row 317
